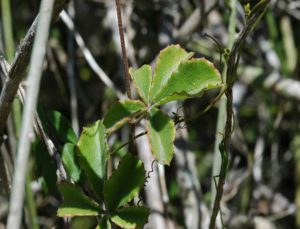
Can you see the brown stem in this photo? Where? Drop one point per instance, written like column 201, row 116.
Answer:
column 123, row 46
column 232, row 64
column 126, row 69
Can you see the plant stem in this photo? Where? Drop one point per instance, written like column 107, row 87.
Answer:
column 222, row 108
column 88, row 55
column 7, row 30
column 33, row 219
column 71, row 74
column 123, row 46
column 126, row 69
column 232, row 63
column 34, row 76
column 128, row 142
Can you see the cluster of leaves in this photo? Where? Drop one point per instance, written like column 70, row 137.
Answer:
column 176, row 77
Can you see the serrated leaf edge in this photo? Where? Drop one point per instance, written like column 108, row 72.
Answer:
column 154, row 79
column 202, row 59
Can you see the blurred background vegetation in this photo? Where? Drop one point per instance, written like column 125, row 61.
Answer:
column 263, row 182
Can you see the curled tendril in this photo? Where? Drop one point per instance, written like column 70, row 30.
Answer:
column 146, row 181
column 149, row 172
column 220, row 47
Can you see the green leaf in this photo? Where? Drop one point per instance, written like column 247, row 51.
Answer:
column 93, row 155
column 131, row 217
column 191, row 79
column 62, row 127
column 161, row 133
column 142, row 80
column 45, row 166
column 86, row 222
column 104, row 223
column 167, row 63
column 120, row 113
column 76, row 203
column 124, row 183
column 70, row 162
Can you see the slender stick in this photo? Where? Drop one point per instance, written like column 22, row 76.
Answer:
column 88, row 55
column 232, row 63
column 222, row 107
column 71, row 74
column 128, row 142
column 126, row 69
column 34, row 76
column 123, row 46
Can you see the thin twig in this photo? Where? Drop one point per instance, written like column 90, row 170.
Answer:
column 34, row 76
column 71, row 75
column 126, row 69
column 207, row 108
column 88, row 55
column 128, row 142
column 232, row 64
column 123, row 46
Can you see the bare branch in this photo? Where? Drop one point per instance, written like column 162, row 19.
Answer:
column 18, row 68
column 88, row 55
column 123, row 46
column 34, row 76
